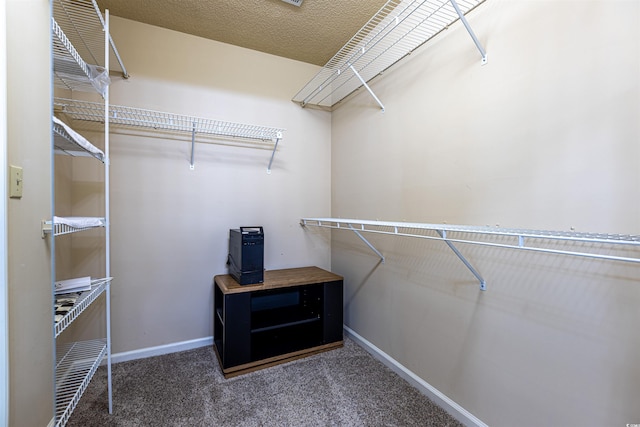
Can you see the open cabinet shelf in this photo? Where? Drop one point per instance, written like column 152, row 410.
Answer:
column 292, row 313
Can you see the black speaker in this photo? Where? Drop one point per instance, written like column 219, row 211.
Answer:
column 246, row 255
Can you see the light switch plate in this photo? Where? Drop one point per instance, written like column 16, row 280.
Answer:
column 15, row 182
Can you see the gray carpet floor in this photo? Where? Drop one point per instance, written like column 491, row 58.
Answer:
column 342, row 387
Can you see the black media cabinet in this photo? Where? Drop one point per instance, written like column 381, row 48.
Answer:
column 294, row 313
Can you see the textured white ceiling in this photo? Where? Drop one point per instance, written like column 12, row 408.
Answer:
column 311, row 33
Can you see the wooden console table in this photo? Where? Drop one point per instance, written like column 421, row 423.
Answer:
column 294, row 313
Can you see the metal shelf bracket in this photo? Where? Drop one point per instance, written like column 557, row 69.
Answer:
column 470, row 31
column 364, row 83
column 47, row 228
column 275, row 147
column 483, row 283
column 192, row 166
column 366, row 242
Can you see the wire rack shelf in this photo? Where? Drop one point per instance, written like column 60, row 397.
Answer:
column 70, row 70
column 76, row 364
column 84, row 25
column 98, row 286
column 397, row 29
column 65, row 143
column 59, row 229
column 136, row 117
column 590, row 245
column 130, row 117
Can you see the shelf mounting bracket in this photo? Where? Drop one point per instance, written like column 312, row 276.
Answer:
column 47, row 228
column 352, row 228
column 367, row 87
column 470, row 31
column 275, row 147
column 483, row 283
column 192, row 166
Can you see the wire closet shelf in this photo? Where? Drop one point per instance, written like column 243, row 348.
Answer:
column 137, row 117
column 77, row 363
column 70, row 70
column 590, row 245
column 98, row 286
column 59, row 229
column 83, row 26
column 399, row 27
column 131, row 117
column 65, row 143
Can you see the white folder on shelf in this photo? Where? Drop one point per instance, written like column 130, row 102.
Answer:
column 78, row 284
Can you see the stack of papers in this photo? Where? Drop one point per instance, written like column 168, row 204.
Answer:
column 73, row 285
column 64, row 304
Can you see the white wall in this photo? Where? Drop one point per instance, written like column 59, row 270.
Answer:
column 544, row 136
column 170, row 224
column 30, row 308
column 4, row 302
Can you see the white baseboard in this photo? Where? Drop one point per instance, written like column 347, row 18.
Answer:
column 160, row 350
column 457, row 411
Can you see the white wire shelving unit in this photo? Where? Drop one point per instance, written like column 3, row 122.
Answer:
column 395, row 31
column 81, row 48
column 545, row 241
column 130, row 117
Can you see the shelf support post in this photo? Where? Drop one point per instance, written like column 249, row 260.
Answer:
column 470, row 31
column 192, row 166
column 275, row 147
column 367, row 87
column 483, row 283
column 366, row 242
column 107, row 209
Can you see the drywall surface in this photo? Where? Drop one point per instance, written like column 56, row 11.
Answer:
column 170, row 224
column 29, row 259
column 545, row 136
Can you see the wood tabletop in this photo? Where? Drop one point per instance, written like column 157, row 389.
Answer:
column 274, row 279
